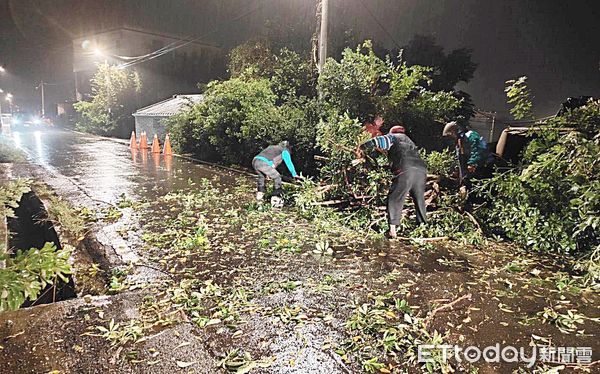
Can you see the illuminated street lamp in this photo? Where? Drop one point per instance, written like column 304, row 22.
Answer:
column 2, row 69
column 98, row 52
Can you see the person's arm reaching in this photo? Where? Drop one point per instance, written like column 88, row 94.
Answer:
column 287, row 158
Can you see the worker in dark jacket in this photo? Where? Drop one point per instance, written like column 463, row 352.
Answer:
column 471, row 150
column 266, row 163
column 410, row 174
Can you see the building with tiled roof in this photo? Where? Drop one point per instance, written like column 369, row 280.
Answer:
column 151, row 119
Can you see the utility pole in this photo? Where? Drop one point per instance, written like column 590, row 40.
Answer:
column 323, row 33
column 493, row 129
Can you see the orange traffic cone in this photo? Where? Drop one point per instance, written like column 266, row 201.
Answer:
column 133, row 141
column 167, row 148
column 155, row 144
column 143, row 141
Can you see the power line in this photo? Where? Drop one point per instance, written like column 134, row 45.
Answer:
column 162, row 51
column 380, row 24
column 55, row 84
column 154, row 52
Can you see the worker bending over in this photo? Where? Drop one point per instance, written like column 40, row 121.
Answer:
column 471, row 150
column 266, row 163
column 410, row 174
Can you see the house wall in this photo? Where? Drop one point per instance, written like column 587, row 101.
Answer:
column 151, row 125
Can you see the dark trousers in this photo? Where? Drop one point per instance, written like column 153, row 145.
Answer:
column 411, row 180
column 264, row 170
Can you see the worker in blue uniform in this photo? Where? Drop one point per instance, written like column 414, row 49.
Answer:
column 265, row 164
column 471, row 151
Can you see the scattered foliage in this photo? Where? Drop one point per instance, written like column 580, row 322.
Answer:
column 118, row 334
column 72, row 221
column 239, row 362
column 439, row 163
column 27, row 273
column 386, row 333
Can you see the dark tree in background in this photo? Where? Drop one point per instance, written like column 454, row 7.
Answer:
column 449, row 69
column 255, row 55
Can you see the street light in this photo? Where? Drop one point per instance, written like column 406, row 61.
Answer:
column 2, row 69
column 98, row 52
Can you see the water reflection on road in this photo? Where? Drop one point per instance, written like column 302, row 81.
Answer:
column 105, row 168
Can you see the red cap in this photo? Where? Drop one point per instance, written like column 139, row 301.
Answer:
column 397, row 130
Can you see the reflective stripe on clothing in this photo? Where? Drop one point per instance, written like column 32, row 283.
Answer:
column 279, row 154
column 287, row 158
column 384, row 142
column 264, row 159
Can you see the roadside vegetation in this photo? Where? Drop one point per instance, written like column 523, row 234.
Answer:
column 24, row 274
column 553, row 191
column 27, row 273
column 113, row 95
column 551, row 201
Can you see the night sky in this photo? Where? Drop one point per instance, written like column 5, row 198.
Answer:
column 555, row 43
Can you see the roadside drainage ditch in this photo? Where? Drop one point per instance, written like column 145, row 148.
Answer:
column 31, row 228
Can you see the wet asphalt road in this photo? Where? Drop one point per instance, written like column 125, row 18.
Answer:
column 105, row 169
